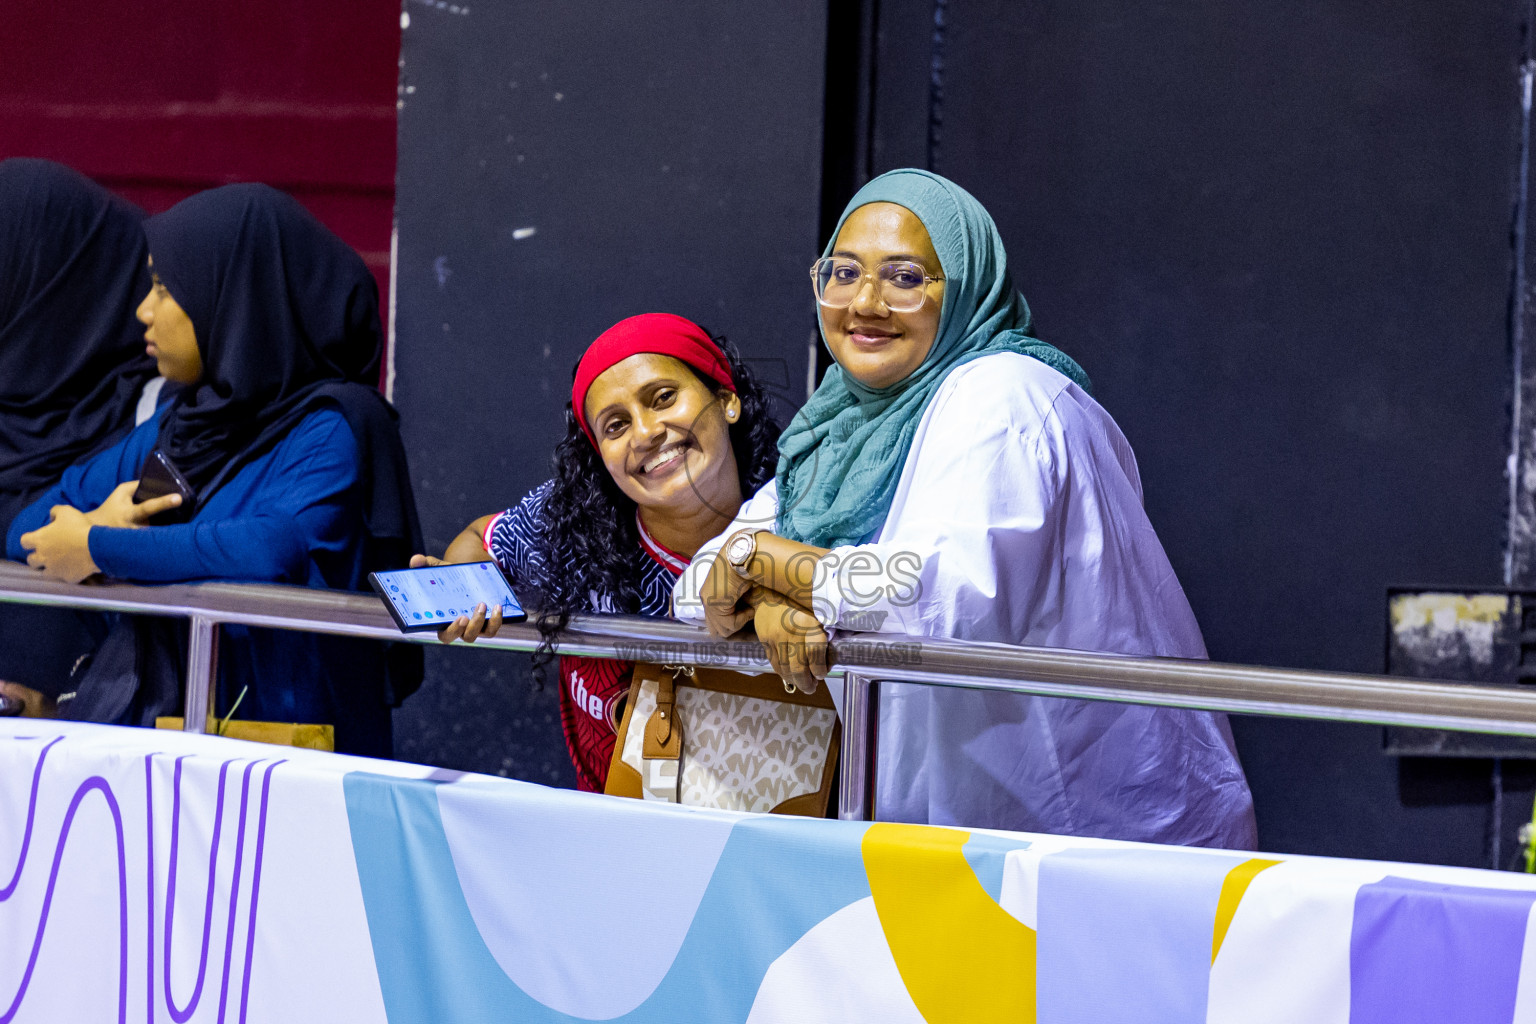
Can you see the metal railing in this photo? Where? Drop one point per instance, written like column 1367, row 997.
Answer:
column 859, row 662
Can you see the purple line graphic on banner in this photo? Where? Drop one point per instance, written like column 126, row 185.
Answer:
column 93, row 784
column 1125, row 935
column 149, row 874
column 250, row 936
column 179, row 1015
column 58, row 881
column 26, row 836
column 182, row 1014
column 1404, row 953
column 234, row 890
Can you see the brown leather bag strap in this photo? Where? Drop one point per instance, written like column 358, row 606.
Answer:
column 663, row 732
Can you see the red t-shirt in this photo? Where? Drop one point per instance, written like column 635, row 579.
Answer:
column 591, row 689
column 591, row 707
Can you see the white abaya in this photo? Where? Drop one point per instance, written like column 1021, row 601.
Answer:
column 1018, row 519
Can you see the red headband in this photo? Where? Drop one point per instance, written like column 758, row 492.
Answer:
column 662, row 334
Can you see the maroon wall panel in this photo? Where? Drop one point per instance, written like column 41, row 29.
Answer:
column 158, row 100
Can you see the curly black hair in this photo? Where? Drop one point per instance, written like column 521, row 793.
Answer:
column 590, row 543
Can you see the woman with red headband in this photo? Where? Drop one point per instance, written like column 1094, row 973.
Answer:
column 666, row 433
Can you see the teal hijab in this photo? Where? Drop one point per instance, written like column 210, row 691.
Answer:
column 842, row 454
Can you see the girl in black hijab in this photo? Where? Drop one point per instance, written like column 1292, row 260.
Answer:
column 72, row 361
column 72, row 366
column 298, row 476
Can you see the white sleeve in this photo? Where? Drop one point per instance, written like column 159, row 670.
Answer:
column 759, row 512
column 974, row 539
column 149, row 400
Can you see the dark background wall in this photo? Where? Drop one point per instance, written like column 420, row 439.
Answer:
column 1281, row 238
column 158, row 99
column 563, row 166
column 1278, row 238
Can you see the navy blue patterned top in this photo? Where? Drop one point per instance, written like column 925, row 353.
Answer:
column 512, row 539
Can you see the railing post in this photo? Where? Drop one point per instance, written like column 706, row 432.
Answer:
column 202, row 672
column 856, row 759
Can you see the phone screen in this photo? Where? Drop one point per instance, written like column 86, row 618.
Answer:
column 432, row 597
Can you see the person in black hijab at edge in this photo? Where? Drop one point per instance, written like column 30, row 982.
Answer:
column 73, row 370
column 271, row 324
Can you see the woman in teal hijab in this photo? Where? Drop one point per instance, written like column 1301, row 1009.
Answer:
column 841, row 456
column 953, row 477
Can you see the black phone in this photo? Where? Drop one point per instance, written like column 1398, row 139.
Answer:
column 159, row 477
column 435, row 595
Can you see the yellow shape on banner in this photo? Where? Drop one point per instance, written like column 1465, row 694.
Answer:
column 1232, row 889
column 963, row 958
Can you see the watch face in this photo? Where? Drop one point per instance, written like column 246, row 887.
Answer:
column 741, row 550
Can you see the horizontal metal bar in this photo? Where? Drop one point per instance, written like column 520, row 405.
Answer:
column 341, row 613
column 1213, row 686
column 1172, row 682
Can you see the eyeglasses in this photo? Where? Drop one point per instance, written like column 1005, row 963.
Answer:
column 839, row 279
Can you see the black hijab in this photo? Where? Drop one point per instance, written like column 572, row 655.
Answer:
column 72, row 360
column 287, row 319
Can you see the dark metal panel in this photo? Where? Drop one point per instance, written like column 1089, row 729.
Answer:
column 562, row 166
column 1520, row 557
column 1278, row 238
column 903, row 55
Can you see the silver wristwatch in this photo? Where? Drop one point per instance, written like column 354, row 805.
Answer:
column 740, row 549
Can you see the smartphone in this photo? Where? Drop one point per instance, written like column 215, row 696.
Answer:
column 435, row 595
column 159, row 477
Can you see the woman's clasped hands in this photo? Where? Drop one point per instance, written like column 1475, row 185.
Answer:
column 767, row 594
column 62, row 548
column 793, row 639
